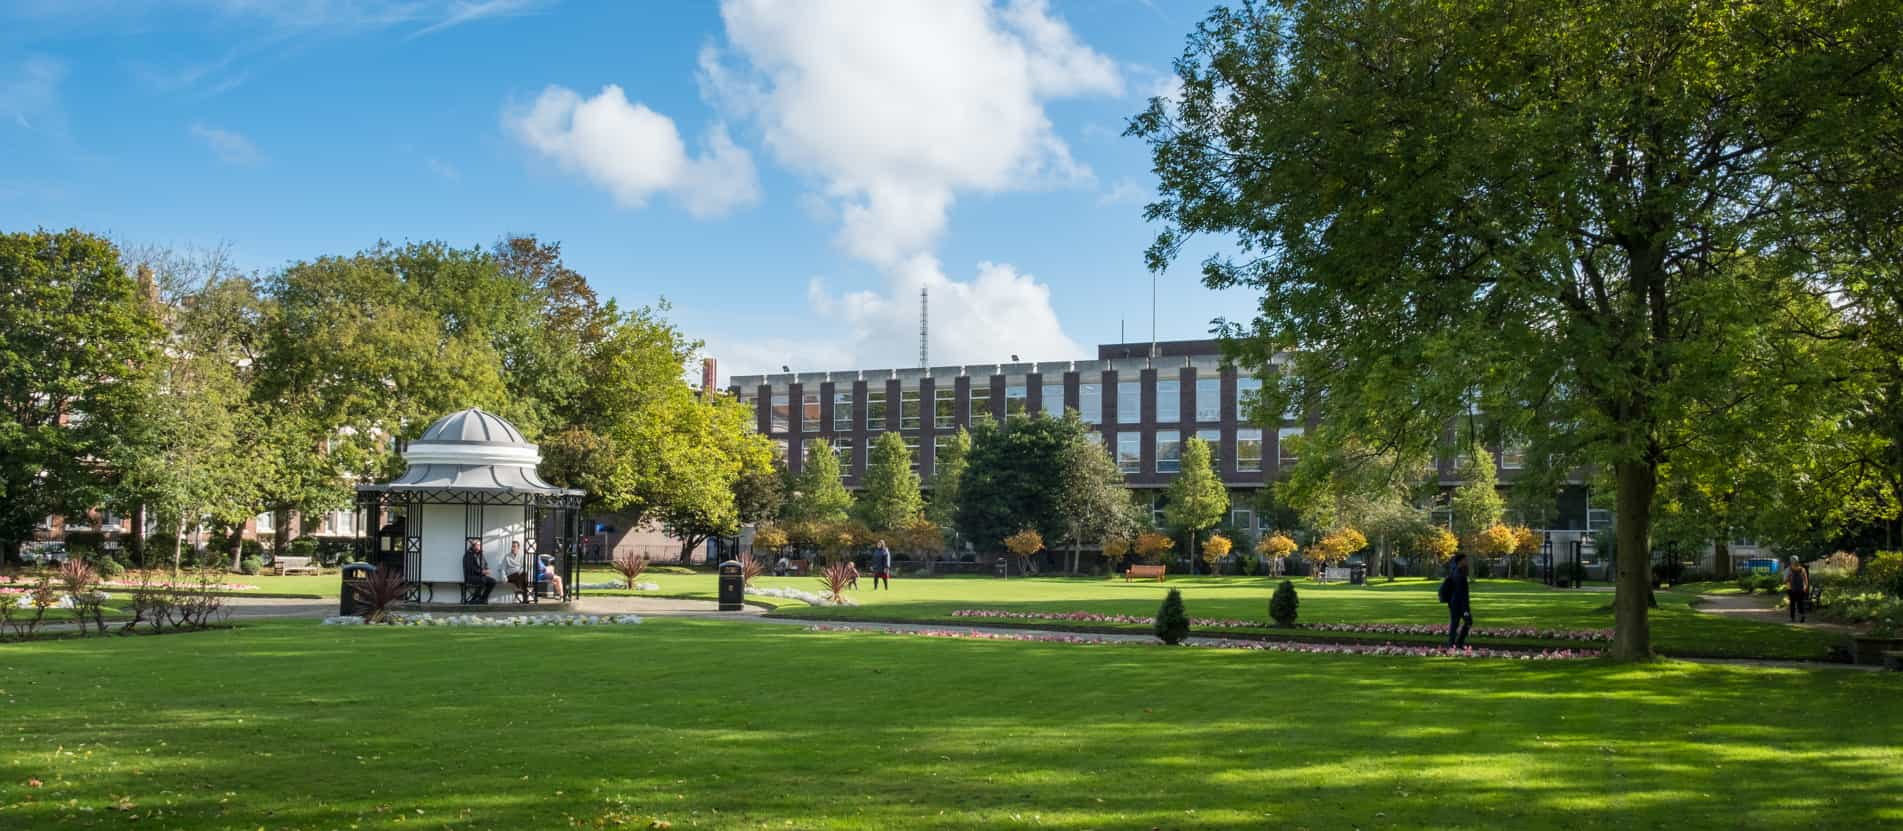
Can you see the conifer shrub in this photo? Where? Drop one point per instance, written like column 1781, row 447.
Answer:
column 1283, row 604
column 1172, row 621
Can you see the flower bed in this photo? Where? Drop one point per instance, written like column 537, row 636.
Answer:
column 428, row 619
column 806, row 597
column 1387, row 649
column 1368, row 628
column 617, row 584
column 23, row 598
column 21, row 580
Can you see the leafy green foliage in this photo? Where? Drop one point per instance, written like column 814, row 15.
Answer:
column 1593, row 229
column 78, row 361
column 1014, row 476
column 815, row 494
column 889, row 495
column 1197, row 498
column 1172, row 620
column 1092, row 501
column 948, row 468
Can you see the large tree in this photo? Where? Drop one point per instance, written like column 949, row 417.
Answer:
column 707, row 452
column 1091, row 499
column 79, row 349
column 1562, row 212
column 814, row 495
column 889, row 495
column 1197, row 499
column 1476, row 502
column 1013, row 476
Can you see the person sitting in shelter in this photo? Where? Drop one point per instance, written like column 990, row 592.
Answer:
column 780, row 568
column 514, row 572
column 476, row 573
column 545, row 573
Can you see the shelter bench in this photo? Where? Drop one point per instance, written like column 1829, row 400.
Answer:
column 294, row 565
column 1143, row 572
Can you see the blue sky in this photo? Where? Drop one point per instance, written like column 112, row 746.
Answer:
column 785, row 175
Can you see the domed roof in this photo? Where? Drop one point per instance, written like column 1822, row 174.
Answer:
column 473, row 450
column 473, row 426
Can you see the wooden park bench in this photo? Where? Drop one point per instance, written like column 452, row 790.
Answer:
column 1143, row 572
column 294, row 565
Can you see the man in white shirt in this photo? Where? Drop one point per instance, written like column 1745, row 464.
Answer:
column 513, row 572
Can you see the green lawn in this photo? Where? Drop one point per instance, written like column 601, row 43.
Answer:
column 725, row 725
column 1677, row 628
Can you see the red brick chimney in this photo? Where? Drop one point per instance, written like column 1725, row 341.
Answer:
column 709, row 376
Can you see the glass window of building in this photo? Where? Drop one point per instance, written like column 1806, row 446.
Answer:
column 1129, row 402
column 842, row 447
column 1209, row 399
column 945, row 407
column 842, row 411
column 809, row 412
column 1159, row 500
column 1243, row 519
column 1248, row 392
column 940, row 443
column 875, row 409
column 1090, row 403
column 1282, row 437
column 779, row 412
column 1249, row 449
column 1053, row 398
column 780, row 448
column 1213, row 438
column 908, row 409
column 1130, row 452
column 1169, row 401
column 1169, row 451
column 980, row 403
column 1512, row 457
column 1015, row 399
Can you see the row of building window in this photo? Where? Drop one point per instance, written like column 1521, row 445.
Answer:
column 1207, row 404
column 1167, row 449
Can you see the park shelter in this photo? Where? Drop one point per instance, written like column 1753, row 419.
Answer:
column 471, row 477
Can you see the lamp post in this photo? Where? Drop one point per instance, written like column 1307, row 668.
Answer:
column 1546, row 554
column 1585, row 549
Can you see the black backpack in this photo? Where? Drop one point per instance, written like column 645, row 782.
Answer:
column 1447, row 589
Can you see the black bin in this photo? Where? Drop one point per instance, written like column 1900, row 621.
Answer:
column 1358, row 575
column 733, row 587
column 1003, row 567
column 355, row 574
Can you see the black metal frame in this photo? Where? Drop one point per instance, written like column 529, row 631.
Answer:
column 383, row 516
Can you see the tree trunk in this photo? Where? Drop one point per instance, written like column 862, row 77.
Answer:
column 1635, row 484
column 138, row 534
column 1721, row 559
column 237, row 548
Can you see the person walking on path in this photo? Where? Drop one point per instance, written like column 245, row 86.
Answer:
column 1797, row 589
column 882, row 566
column 1453, row 592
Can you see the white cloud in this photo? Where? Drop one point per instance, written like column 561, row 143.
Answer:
column 895, row 110
column 442, row 168
column 459, row 13
column 898, row 107
column 31, row 93
column 1123, row 192
column 634, row 152
column 232, row 147
column 986, row 319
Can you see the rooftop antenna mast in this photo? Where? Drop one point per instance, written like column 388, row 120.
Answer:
column 924, row 329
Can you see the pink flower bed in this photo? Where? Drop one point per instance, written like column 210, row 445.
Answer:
column 1387, row 649
column 126, row 584
column 1369, row 628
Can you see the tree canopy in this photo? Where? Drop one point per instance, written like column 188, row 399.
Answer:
column 1564, row 213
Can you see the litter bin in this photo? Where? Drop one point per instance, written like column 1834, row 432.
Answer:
column 1358, row 575
column 1003, row 567
column 733, row 587
column 355, row 574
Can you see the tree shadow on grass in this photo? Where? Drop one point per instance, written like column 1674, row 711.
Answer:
column 729, row 725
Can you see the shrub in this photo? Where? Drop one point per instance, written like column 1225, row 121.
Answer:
column 380, row 594
column 333, row 551
column 751, row 567
column 1172, row 620
column 302, row 547
column 1767, row 583
column 1283, row 604
column 1885, row 572
column 250, row 565
column 1747, row 583
column 630, row 566
column 110, row 568
column 836, row 578
column 1151, row 546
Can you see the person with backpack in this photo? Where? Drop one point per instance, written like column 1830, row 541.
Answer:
column 1453, row 592
column 1797, row 588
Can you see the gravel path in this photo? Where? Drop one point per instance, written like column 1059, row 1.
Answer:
column 1762, row 608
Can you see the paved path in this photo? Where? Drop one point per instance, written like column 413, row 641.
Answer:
column 1762, row 608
